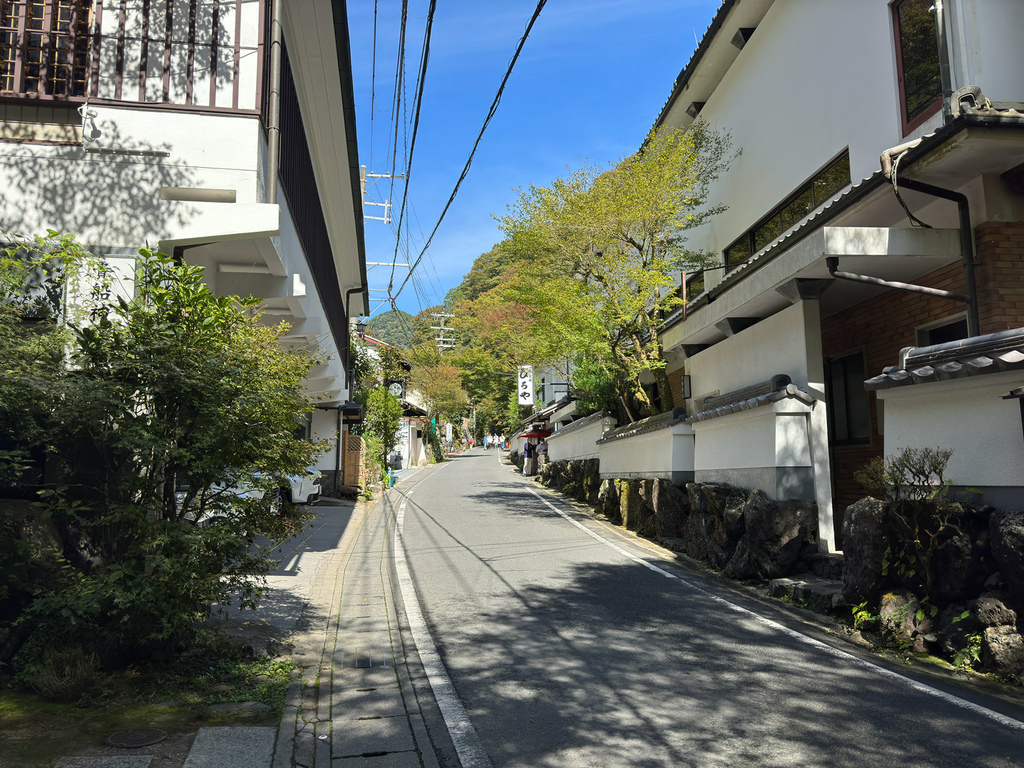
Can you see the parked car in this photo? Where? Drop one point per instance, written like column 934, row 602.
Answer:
column 303, row 488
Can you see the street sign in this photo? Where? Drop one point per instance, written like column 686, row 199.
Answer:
column 525, row 385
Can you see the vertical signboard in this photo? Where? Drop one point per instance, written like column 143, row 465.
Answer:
column 525, row 385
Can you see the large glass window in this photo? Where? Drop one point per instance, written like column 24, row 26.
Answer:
column 917, row 61
column 849, row 411
column 812, row 194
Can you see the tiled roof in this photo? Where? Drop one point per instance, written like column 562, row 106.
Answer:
column 642, row 427
column 992, row 353
column 789, row 391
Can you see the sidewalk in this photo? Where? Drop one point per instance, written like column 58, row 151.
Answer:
column 355, row 705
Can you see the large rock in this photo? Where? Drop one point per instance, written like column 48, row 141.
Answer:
column 1007, row 532
column 898, row 619
column 635, row 513
column 590, row 486
column 1002, row 650
column 775, row 534
column 608, row 503
column 992, row 610
column 863, row 548
column 671, row 506
column 962, row 562
column 715, row 522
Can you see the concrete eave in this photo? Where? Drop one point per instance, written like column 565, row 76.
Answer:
column 316, row 35
column 903, row 254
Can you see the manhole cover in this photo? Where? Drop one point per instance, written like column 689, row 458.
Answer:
column 139, row 737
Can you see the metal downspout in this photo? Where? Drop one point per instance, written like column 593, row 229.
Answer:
column 966, row 233
column 966, row 244
column 274, row 104
column 945, row 75
column 337, row 458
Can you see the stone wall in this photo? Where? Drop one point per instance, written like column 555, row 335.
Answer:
column 967, row 593
column 743, row 533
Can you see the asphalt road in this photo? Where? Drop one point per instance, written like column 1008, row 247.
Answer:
column 570, row 650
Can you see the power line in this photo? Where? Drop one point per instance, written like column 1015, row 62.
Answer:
column 420, row 84
column 469, row 162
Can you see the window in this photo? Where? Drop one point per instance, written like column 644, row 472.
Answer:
column 940, row 333
column 694, row 285
column 917, row 61
column 812, row 194
column 849, row 411
column 52, row 59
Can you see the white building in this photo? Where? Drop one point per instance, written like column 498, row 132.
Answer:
column 778, row 341
column 189, row 127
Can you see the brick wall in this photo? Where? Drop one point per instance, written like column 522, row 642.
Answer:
column 882, row 326
column 675, row 383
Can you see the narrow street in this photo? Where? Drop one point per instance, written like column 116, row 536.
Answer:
column 571, row 643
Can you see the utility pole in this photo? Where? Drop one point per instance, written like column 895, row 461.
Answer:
column 443, row 342
column 386, row 205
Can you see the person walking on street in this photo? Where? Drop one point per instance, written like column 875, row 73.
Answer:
column 529, row 459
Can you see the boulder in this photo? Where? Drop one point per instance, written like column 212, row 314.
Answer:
column 863, row 548
column 1002, row 650
column 608, row 503
column 775, row 533
column 591, row 484
column 671, row 506
column 631, row 506
column 992, row 610
column 962, row 562
column 725, row 504
column 1007, row 532
column 897, row 617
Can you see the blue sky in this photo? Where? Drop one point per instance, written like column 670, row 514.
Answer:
column 592, row 78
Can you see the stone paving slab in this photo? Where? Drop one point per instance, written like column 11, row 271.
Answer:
column 360, row 737
column 392, row 760
column 232, row 747
column 105, row 761
column 385, row 701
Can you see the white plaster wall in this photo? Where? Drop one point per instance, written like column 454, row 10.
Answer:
column 967, row 415
column 987, row 51
column 795, row 97
column 777, row 344
column 654, row 454
column 114, row 199
column 738, row 441
column 799, row 93
column 580, row 443
column 324, row 426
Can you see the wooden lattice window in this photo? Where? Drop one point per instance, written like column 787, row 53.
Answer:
column 44, row 46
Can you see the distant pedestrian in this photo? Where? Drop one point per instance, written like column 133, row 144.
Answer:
column 528, row 458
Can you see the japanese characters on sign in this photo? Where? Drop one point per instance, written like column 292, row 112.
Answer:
column 525, row 385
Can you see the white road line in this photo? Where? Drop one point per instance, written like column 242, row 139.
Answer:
column 799, row 636
column 464, row 736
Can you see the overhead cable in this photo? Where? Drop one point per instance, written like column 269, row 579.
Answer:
column 469, row 162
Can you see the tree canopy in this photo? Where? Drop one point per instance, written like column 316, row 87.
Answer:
column 596, row 255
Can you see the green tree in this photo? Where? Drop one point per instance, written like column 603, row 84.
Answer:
column 394, row 328
column 597, row 253
column 381, row 422
column 173, row 390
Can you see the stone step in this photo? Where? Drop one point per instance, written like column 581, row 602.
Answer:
column 214, row 747
column 818, row 594
column 228, row 746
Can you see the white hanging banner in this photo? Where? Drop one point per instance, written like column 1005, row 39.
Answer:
column 525, row 385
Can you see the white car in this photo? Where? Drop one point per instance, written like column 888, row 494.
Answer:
column 302, row 488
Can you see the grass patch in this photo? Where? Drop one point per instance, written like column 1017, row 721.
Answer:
column 36, row 731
